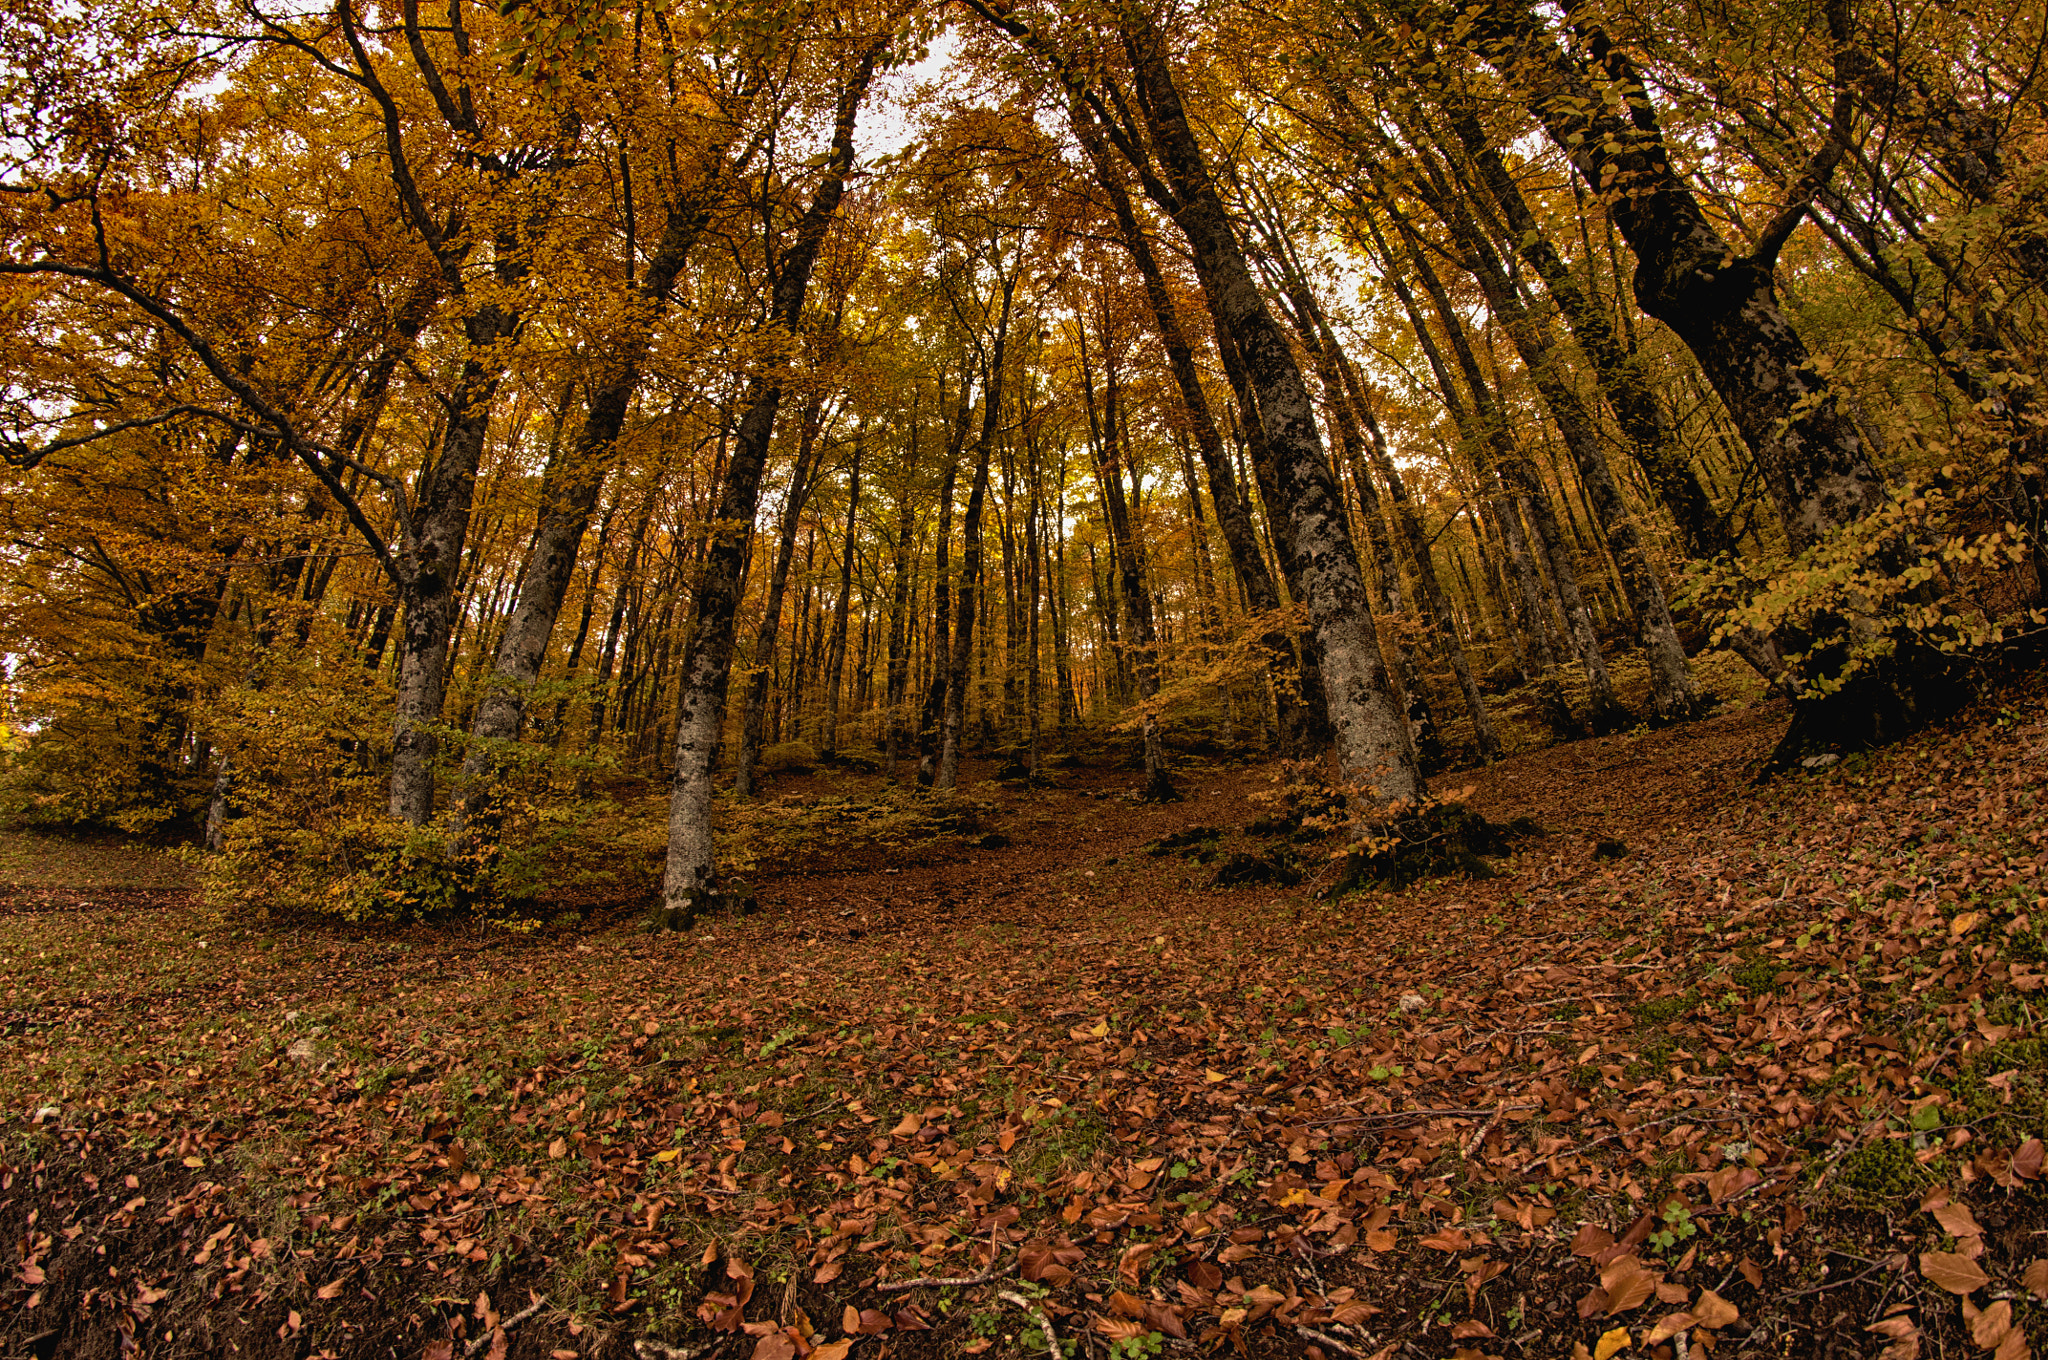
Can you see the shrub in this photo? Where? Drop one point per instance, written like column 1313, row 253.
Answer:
column 788, row 757
column 1871, row 631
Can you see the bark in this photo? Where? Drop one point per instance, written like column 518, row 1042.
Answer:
column 1673, row 695
column 1623, row 380
column 1232, row 519
column 1314, row 731
column 835, row 667
column 942, row 598
column 707, row 661
column 568, row 497
column 1723, row 304
column 953, row 722
column 752, row 722
column 1127, row 562
column 1371, row 745
column 899, row 608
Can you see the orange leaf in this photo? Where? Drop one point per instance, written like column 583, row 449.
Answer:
column 1956, row 1274
column 1632, row 1290
column 1989, row 1327
column 1714, row 1311
column 1957, row 1221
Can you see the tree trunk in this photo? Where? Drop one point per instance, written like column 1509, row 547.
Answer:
column 835, row 667
column 954, row 720
column 707, row 662
column 568, row 496
column 1722, row 304
column 1371, row 744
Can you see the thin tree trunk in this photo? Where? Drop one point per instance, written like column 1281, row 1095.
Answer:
column 707, row 662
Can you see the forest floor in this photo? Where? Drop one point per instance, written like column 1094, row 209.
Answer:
column 1765, row 1078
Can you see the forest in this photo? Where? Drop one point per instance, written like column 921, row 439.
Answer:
column 760, row 679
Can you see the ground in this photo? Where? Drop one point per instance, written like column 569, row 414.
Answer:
column 1708, row 1064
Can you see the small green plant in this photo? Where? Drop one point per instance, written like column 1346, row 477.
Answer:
column 1135, row 1347
column 1677, row 1226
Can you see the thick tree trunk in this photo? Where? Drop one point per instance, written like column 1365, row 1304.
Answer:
column 1371, row 744
column 1723, row 305
column 428, row 563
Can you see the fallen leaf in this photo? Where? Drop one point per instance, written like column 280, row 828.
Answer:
column 1905, row 1338
column 1714, row 1311
column 1591, row 1240
column 1956, row 1274
column 1668, row 1327
column 1611, row 1342
column 1989, row 1327
column 2035, row 1278
column 1957, row 1221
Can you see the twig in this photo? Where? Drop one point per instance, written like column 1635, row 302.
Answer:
column 1472, row 1145
column 642, row 1346
column 1850, row 1146
column 1327, row 1340
column 478, row 1343
column 1392, row 1115
column 1052, row 1341
column 995, row 1269
column 1688, row 1117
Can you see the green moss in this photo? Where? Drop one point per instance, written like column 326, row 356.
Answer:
column 1758, row 975
column 1663, row 1010
column 2014, row 1110
column 1882, row 1173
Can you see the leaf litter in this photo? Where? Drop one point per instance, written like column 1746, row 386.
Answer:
column 1769, row 1082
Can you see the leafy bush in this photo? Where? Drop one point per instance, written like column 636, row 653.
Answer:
column 792, row 757
column 1877, row 623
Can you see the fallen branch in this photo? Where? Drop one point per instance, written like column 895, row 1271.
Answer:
column 1472, row 1145
column 995, row 1270
column 1688, row 1117
column 1844, row 1150
column 1326, row 1339
column 478, row 1343
column 1392, row 1115
column 642, row 1346
column 1052, row 1341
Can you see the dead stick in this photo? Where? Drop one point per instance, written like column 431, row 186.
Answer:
column 1052, row 1341
column 1327, row 1340
column 993, row 1272
column 507, row 1325
column 1687, row 1117
column 1480, row 1137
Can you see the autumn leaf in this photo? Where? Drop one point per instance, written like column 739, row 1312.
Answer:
column 1611, row 1343
column 1630, row 1291
column 1957, row 1274
column 1957, row 1221
column 1989, row 1327
column 1902, row 1335
column 1714, row 1311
